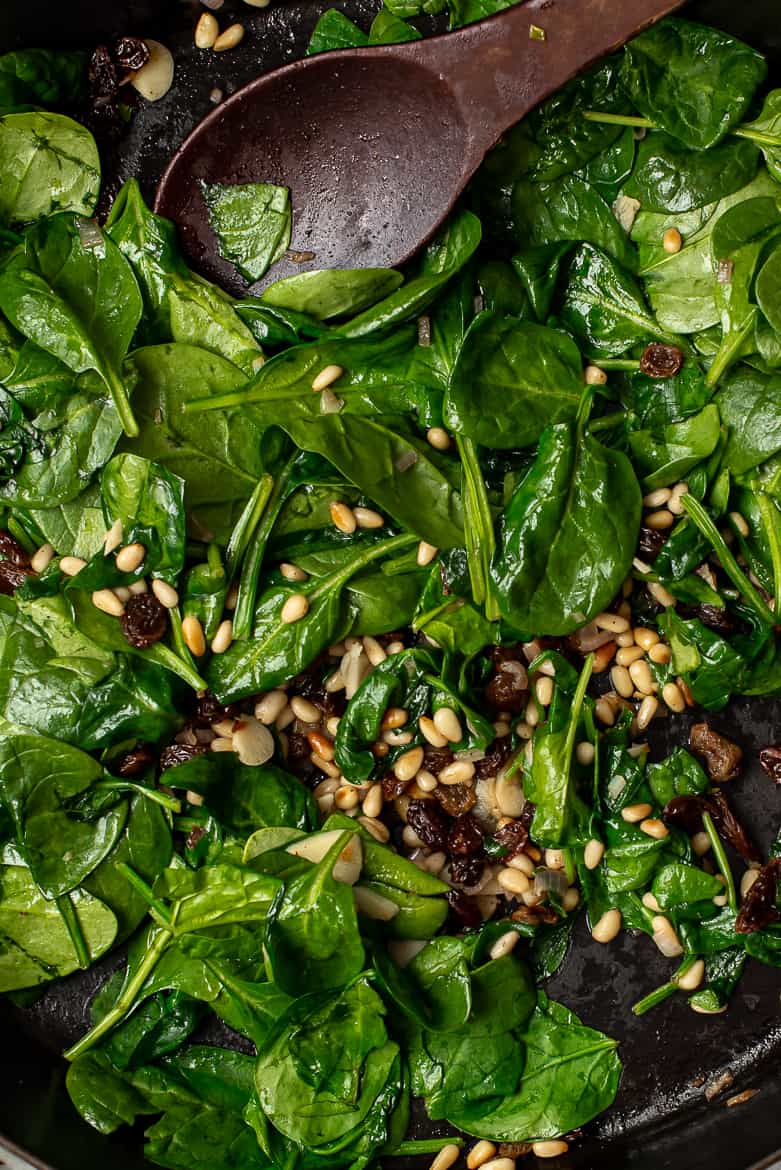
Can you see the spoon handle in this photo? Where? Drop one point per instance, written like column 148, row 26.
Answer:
column 500, row 68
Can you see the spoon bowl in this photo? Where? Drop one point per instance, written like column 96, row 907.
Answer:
column 377, row 144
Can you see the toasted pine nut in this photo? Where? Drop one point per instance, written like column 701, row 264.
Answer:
column 604, row 712
column 594, row 376
column 304, row 710
column 641, row 676
column 747, row 881
column 485, row 1150
column 660, row 654
column 107, row 601
column 549, row 1149
column 230, row 38
column 649, row 901
column 603, row 656
column 438, row 438
column 426, row 553
column 223, row 637
column 394, row 717
column 42, row 558
column 660, row 595
column 622, row 682
column 674, row 504
column 612, row 622
column 543, row 689
column 206, row 31
column 448, row 724
column 377, row 829
column 584, row 753
column 645, row 638
column 459, row 772
column 593, row 853
column 608, row 927
column 270, row 707
column 137, row 587
column 660, row 520
column 700, row 844
column 665, row 937
column 346, row 797
column 571, row 899
column 335, row 682
column 522, row 862
column 634, row 813
column 425, row 780
column 292, row 572
column 653, row 827
column 657, row 499
column 327, row 377
column 373, row 801
column 672, row 241
column 165, row 593
column 296, row 606
column 70, row 566
column 554, row 858
column 692, row 979
column 513, row 880
column 428, row 730
column 192, row 632
column 408, row 764
column 673, row 697
column 628, row 654
column 343, row 517
column 446, row 1157
column 368, row 518
column 646, row 711
column 739, row 522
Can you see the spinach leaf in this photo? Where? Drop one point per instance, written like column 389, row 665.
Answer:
column 435, row 988
column 679, row 774
column 766, row 132
column 677, row 885
column 74, row 529
column 48, row 163
column 668, row 456
column 659, row 401
column 35, row 945
column 571, row 1074
column 80, row 304
column 149, row 502
column 538, row 269
column 695, row 82
column 568, row 209
column 749, row 403
column 511, row 380
column 382, row 864
column 389, row 29
column 669, row 177
column 334, row 30
column 332, row 292
column 604, row 306
column 768, row 289
column 564, row 547
column 418, row 917
column 251, row 222
column 42, row 77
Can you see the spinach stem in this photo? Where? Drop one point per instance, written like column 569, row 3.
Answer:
column 665, row 991
column 630, row 364
column 607, row 421
column 157, row 908
column 731, row 567
column 449, row 606
column 618, row 119
column 71, row 919
column 256, row 550
column 771, row 521
column 478, row 529
column 757, row 136
column 247, row 523
column 125, row 1002
column 373, row 552
column 180, row 661
column 720, row 855
column 20, row 536
column 122, row 405
column 428, row 1146
column 161, row 798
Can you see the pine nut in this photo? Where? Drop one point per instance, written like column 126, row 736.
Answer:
column 655, row 828
column 608, row 927
column 429, row 732
column 501, row 947
column 554, row 858
column 438, row 438
column 376, row 828
column 230, row 38
column 368, row 518
column 324, row 765
column 206, row 31
column 394, row 648
column 604, row 712
column 646, row 711
column 665, row 937
column 584, row 753
column 396, row 738
column 296, row 607
column 192, row 632
column 223, row 637
column 549, row 1149
column 305, row 711
column 122, row 593
column 660, row 595
column 625, row 640
column 543, row 689
column 154, row 79
column 700, row 844
column 660, row 654
column 513, row 881
column 221, row 744
column 612, row 622
column 672, row 241
column 603, row 656
column 593, row 853
column 675, row 505
column 321, row 744
column 408, row 764
column 501, row 729
column 657, row 499
column 594, row 376
column 500, row 1164
column 270, row 707
column 165, row 593
column 622, row 682
column 524, row 730
column 137, row 587
column 571, row 899
column 509, row 795
column 193, row 798
column 326, row 787
column 629, row 654
column 448, row 724
column 258, row 3
column 485, row 1150
column 660, row 520
column 346, row 797
column 327, row 377
column 459, row 772
column 739, row 522
column 292, row 572
column 446, row 1157
column 522, row 862
column 641, row 676
column 373, row 801
column 633, row 813
column 394, row 717
column 113, row 537
column 747, row 881
column 425, row 780
column 335, row 682
column 42, row 558
column 532, row 714
column 650, row 902
column 673, row 697
column 343, row 517
column 645, row 638
column 107, row 601
column 692, row 978
column 545, row 667
column 70, row 566
column 426, row 553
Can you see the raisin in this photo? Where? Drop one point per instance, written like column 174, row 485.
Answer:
column 208, row 710
column 144, row 621
column 686, row 813
column 11, row 550
column 722, row 757
column 661, row 361
column 456, row 799
column 134, row 762
column 466, row 871
column 508, row 691
column 103, row 79
column 435, row 759
column 759, row 907
column 180, row 753
column 513, row 836
column 534, row 915
column 770, row 759
column 650, row 542
column 464, row 836
column 297, row 748
column 130, row 53
column 392, row 786
column 494, row 759
column 14, row 564
column 710, row 616
column 465, row 909
column 427, row 821
column 514, row 1149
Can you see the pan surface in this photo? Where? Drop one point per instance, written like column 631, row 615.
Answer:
column 663, row 1118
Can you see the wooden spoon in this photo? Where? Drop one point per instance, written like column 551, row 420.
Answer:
column 377, row 144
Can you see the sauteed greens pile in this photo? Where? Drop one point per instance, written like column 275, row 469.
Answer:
column 335, row 618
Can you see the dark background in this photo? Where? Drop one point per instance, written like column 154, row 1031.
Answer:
column 662, row 1119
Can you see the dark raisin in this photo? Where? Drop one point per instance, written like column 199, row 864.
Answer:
column 534, row 915
column 180, row 753
column 392, row 786
column 710, row 616
column 464, row 836
column 297, row 748
column 11, row 550
column 208, row 710
column 661, row 361
column 686, row 813
column 513, row 837
column 465, row 909
column 102, row 75
column 722, row 757
column 144, row 621
column 514, row 1149
column 650, row 542
column 466, row 871
column 759, row 907
column 435, row 759
column 134, row 762
column 508, row 691
column 456, row 799
column 770, row 759
column 424, row 817
column 12, row 576
column 130, row 53
column 494, row 759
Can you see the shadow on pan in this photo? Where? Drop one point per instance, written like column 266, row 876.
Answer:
column 662, row 1119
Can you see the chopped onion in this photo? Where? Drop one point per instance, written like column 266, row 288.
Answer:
column 724, row 271
column 589, row 638
column 90, row 235
column 329, row 403
column 550, row 881
column 424, row 331
column 407, row 460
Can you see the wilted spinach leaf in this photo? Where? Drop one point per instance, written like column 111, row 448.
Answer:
column 251, row 222
column 48, row 163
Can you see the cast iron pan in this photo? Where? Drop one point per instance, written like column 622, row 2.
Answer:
column 662, row 1119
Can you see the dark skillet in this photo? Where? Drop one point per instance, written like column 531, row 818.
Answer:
column 662, row 1119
